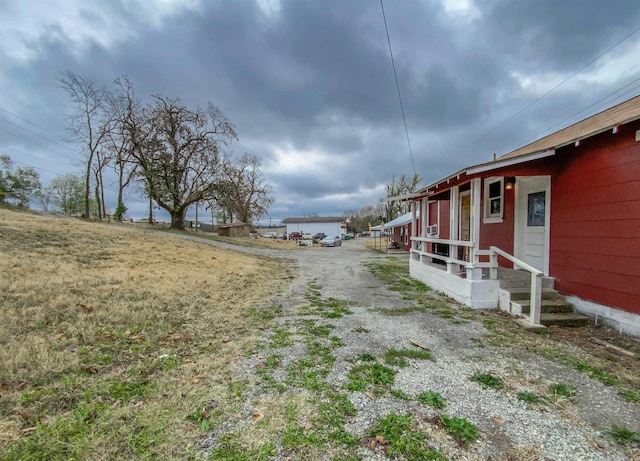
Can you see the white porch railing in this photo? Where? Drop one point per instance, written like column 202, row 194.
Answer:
column 452, row 262
column 536, row 281
column 454, row 265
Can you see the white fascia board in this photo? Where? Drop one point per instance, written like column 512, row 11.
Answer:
column 510, row 161
column 399, row 198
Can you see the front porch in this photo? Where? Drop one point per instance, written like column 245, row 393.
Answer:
column 525, row 293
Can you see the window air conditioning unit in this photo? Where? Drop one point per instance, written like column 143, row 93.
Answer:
column 432, row 230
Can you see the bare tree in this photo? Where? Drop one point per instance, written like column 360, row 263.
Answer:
column 398, row 187
column 124, row 106
column 90, row 122
column 177, row 150
column 241, row 191
column 367, row 216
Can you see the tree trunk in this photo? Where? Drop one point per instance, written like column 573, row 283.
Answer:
column 104, row 207
column 120, row 205
column 177, row 219
column 98, row 200
column 87, row 191
column 150, row 210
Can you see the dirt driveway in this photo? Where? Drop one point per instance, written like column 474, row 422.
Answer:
column 338, row 377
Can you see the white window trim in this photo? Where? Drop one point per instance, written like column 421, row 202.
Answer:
column 488, row 217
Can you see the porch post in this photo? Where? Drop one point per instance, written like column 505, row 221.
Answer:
column 454, row 206
column 424, row 216
column 476, row 273
column 414, row 222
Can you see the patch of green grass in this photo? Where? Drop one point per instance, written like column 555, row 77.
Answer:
column 488, row 380
column 396, row 356
column 631, row 396
column 623, row 435
column 202, row 418
column 230, row 450
column 431, row 399
column 460, row 429
column 281, row 338
column 403, row 439
column 360, row 330
column 580, row 366
column 336, row 342
column 595, row 373
column 330, row 308
column 272, row 361
column 529, row 397
column 265, row 314
column 562, row 391
column 365, row 358
column 362, row 376
column 398, row 394
column 323, row 355
column 321, row 331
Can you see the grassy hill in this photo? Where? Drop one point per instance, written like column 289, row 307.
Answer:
column 118, row 343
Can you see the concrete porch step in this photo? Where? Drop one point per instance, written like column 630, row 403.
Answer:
column 563, row 320
column 524, row 282
column 548, row 306
column 525, row 293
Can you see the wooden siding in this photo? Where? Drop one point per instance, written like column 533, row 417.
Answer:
column 499, row 234
column 595, row 220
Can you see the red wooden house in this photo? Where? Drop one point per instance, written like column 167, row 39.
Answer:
column 563, row 210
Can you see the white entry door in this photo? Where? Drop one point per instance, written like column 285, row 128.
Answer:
column 533, row 199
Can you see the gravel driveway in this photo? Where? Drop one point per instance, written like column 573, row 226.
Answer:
column 558, row 427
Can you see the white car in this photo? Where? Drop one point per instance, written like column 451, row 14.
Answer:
column 307, row 236
column 269, row 235
column 331, row 242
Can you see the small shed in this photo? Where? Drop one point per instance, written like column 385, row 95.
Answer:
column 236, row 229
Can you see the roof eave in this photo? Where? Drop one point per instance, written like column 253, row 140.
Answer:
column 484, row 167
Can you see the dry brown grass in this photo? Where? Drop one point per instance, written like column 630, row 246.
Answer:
column 276, row 244
column 118, row 343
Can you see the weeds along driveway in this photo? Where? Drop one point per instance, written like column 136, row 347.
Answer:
column 337, row 377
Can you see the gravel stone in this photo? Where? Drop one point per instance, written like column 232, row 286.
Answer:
column 509, row 428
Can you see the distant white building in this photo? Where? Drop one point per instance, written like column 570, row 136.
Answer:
column 313, row 225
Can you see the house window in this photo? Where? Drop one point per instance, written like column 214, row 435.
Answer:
column 493, row 199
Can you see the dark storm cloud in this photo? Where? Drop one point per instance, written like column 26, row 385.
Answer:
column 562, row 35
column 315, row 76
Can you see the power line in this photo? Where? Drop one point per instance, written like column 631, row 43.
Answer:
column 547, row 93
column 30, row 131
column 395, row 75
column 30, row 123
column 11, row 149
column 34, row 142
column 597, row 103
column 52, row 172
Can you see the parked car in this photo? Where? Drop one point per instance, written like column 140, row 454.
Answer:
column 319, row 236
column 269, row 235
column 331, row 242
column 295, row 236
column 364, row 234
column 307, row 236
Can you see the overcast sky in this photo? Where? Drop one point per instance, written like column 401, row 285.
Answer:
column 309, row 83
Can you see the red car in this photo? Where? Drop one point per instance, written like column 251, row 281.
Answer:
column 295, row 236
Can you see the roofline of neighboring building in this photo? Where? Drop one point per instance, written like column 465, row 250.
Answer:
column 315, row 219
